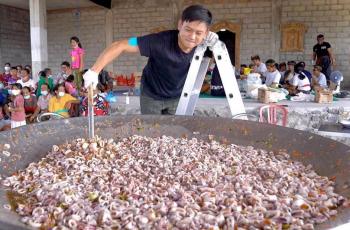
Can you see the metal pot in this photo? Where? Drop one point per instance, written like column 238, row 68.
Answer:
column 32, row 142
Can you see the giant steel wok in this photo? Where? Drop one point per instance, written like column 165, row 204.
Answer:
column 32, row 142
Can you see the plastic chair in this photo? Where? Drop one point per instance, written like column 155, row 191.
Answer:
column 270, row 114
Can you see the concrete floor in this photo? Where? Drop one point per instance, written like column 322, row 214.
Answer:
column 307, row 116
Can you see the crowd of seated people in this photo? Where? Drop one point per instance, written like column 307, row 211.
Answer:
column 292, row 76
column 22, row 100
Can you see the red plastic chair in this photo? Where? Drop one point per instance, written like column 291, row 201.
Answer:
column 270, row 114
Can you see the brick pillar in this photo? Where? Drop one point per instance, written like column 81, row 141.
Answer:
column 276, row 14
column 38, row 36
column 109, row 34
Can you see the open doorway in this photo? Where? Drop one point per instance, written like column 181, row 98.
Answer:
column 229, row 38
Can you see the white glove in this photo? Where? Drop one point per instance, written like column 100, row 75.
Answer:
column 90, row 78
column 211, row 39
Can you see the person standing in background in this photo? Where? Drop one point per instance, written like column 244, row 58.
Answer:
column 323, row 56
column 77, row 65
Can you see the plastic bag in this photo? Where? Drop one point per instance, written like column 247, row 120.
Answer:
column 111, row 97
column 253, row 83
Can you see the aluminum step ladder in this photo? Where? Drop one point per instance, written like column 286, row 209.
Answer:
column 197, row 72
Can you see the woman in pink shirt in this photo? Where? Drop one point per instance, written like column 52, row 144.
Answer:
column 77, row 54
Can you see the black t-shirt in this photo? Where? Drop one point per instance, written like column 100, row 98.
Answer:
column 216, row 88
column 321, row 50
column 165, row 73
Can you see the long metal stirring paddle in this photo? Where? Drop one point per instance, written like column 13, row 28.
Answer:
column 91, row 112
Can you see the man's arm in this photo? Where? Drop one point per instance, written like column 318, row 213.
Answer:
column 331, row 55
column 112, row 52
column 314, row 56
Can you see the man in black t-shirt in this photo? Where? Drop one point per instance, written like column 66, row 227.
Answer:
column 323, row 55
column 169, row 57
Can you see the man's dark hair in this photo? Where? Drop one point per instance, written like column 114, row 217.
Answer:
column 58, row 86
column 197, row 13
column 8, row 63
column 17, row 85
column 47, row 70
column 270, row 62
column 65, row 63
column 282, row 64
column 255, row 57
column 13, row 68
column 28, row 88
column 299, row 67
column 42, row 74
column 291, row 63
column 320, row 36
column 319, row 68
column 70, row 78
column 27, row 70
column 302, row 64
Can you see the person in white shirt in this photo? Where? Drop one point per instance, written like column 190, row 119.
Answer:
column 26, row 81
column 318, row 78
column 282, row 67
column 301, row 83
column 259, row 67
column 273, row 76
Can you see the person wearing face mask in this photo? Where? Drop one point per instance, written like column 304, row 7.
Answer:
column 26, row 81
column 16, row 108
column 30, row 102
column 45, row 77
column 62, row 101
column 43, row 102
column 101, row 106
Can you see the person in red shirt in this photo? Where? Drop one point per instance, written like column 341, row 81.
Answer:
column 30, row 102
column 101, row 106
column 18, row 116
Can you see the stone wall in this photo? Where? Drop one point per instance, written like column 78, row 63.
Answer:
column 88, row 24
column 328, row 17
column 136, row 18
column 14, row 36
column 260, row 22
